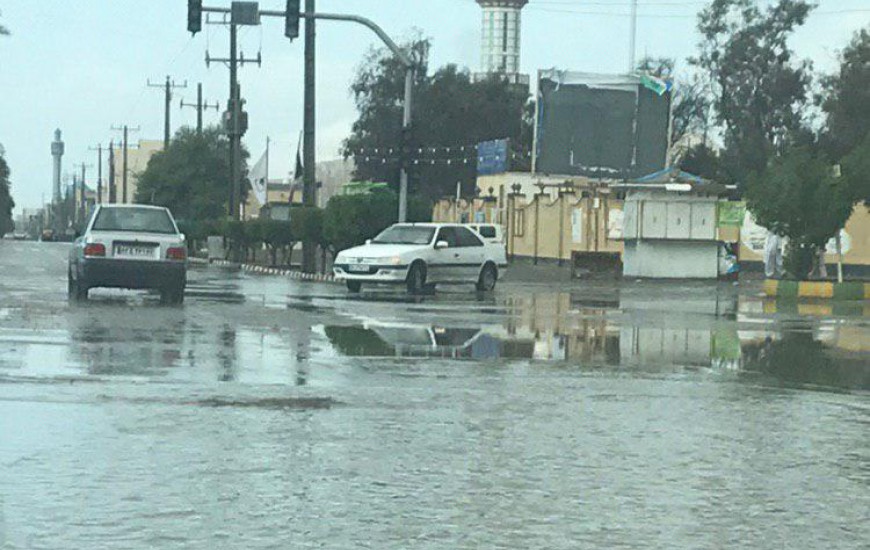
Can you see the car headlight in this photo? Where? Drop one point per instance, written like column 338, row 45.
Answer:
column 392, row 260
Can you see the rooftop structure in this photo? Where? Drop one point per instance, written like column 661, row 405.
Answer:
column 500, row 40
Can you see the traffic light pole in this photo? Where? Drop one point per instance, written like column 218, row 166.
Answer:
column 397, row 51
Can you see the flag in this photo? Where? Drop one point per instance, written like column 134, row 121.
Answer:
column 657, row 85
column 298, row 171
column 258, row 177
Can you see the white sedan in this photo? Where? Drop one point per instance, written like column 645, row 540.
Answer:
column 422, row 255
column 129, row 246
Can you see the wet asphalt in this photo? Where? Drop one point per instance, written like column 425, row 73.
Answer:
column 272, row 413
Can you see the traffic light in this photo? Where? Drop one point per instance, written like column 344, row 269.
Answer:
column 194, row 16
column 291, row 22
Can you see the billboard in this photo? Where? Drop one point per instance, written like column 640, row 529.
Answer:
column 608, row 126
column 492, row 157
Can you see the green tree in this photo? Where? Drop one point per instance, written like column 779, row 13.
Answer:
column 6, row 202
column 277, row 235
column 847, row 99
column 798, row 197
column 855, row 169
column 759, row 92
column 449, row 110
column 703, row 161
column 192, row 177
column 349, row 220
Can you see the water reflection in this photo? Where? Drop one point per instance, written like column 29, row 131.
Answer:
column 637, row 331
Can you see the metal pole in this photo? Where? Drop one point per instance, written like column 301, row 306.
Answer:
column 235, row 138
column 632, row 38
column 82, row 209
column 309, row 185
column 100, row 173
column 124, row 174
column 167, row 98
column 199, row 109
column 406, row 125
column 113, row 192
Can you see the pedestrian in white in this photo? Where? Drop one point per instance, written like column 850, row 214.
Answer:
column 773, row 256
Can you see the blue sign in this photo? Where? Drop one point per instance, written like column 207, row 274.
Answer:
column 492, row 157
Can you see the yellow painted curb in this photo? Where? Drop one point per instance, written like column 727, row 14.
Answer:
column 770, row 287
column 815, row 289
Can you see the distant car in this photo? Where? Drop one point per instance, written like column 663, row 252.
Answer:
column 47, row 235
column 421, row 256
column 18, row 236
column 129, row 246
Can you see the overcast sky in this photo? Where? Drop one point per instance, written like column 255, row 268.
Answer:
column 82, row 65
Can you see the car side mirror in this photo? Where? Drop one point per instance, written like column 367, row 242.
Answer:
column 441, row 244
column 183, row 237
column 368, row 241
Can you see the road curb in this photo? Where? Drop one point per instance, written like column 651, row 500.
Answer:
column 263, row 270
column 849, row 290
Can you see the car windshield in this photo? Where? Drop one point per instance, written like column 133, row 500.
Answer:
column 144, row 220
column 405, row 234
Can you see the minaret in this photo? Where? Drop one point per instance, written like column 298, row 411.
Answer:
column 57, row 153
column 500, row 39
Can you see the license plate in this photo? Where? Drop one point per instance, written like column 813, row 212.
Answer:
column 358, row 268
column 134, row 251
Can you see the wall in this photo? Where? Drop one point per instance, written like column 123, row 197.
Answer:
column 547, row 226
column 671, row 259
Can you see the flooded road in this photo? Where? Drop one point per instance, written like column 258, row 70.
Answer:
column 269, row 413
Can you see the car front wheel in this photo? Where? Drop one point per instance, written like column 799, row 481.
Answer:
column 416, row 280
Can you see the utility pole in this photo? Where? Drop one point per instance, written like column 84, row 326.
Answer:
column 200, row 106
column 113, row 194
column 125, row 147
column 632, row 38
column 235, row 119
column 99, row 150
column 81, row 211
column 309, row 183
column 167, row 90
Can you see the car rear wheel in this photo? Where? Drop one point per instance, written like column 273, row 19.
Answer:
column 416, row 280
column 487, row 279
column 76, row 290
column 354, row 286
column 172, row 295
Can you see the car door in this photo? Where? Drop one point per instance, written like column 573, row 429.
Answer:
column 471, row 255
column 444, row 267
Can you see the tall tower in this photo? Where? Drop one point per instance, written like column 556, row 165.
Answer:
column 57, row 153
column 500, row 39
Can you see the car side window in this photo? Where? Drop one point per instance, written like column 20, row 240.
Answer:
column 467, row 238
column 487, row 231
column 448, row 234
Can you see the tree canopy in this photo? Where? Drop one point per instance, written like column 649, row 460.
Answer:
column 6, row 202
column 192, row 177
column 847, row 99
column 349, row 220
column 449, row 110
column 799, row 197
column 759, row 90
